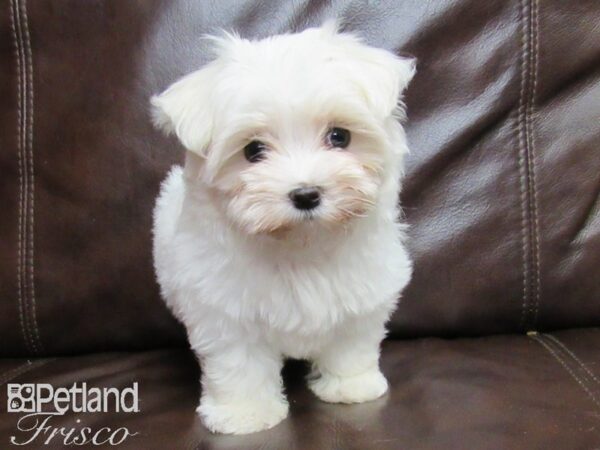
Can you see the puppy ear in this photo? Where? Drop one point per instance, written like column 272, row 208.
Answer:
column 383, row 78
column 388, row 76
column 330, row 27
column 185, row 109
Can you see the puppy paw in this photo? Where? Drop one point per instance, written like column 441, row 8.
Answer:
column 354, row 389
column 242, row 417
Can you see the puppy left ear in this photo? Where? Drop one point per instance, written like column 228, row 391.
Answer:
column 388, row 77
column 185, row 109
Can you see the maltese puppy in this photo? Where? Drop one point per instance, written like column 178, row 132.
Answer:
column 280, row 237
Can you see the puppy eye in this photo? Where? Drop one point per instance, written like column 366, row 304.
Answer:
column 338, row 137
column 254, row 151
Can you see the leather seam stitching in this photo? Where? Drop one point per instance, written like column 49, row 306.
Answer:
column 15, row 372
column 22, row 369
column 31, row 256
column 521, row 162
column 528, row 18
column 533, row 193
column 15, row 27
column 574, row 356
column 539, row 338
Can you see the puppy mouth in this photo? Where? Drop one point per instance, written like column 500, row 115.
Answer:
column 313, row 217
column 330, row 217
column 309, row 215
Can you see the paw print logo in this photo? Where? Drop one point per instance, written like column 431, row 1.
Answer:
column 21, row 397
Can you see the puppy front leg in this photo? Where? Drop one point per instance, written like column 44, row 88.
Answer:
column 347, row 370
column 242, row 390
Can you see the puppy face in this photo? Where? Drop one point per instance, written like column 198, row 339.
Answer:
column 291, row 131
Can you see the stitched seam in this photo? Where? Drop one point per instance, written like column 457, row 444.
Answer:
column 534, row 190
column 562, row 362
column 533, row 210
column 37, row 342
column 521, row 162
column 574, row 356
column 528, row 18
column 527, row 128
column 20, row 370
column 24, row 173
column 15, row 27
column 15, row 372
column 28, row 181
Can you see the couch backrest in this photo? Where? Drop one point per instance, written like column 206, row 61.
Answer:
column 501, row 190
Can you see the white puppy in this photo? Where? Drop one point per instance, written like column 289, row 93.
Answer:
column 280, row 238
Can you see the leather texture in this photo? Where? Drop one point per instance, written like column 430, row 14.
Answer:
column 504, row 392
column 501, row 189
column 502, row 194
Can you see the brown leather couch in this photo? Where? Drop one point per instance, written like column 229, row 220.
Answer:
column 495, row 344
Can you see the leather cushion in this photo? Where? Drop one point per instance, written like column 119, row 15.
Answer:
column 501, row 190
column 509, row 392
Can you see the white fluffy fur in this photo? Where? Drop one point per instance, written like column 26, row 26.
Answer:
column 254, row 280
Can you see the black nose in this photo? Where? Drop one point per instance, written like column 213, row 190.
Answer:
column 305, row 197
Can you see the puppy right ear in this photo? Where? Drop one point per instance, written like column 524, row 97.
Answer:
column 185, row 109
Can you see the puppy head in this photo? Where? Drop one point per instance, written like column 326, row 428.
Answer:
column 290, row 131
